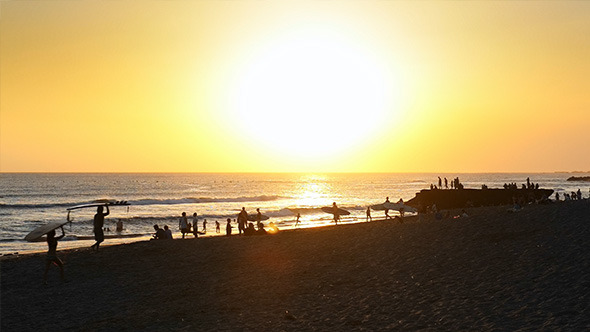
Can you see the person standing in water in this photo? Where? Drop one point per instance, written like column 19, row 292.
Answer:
column 98, row 226
column 52, row 254
column 336, row 212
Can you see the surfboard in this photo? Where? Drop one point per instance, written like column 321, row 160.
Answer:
column 89, row 205
column 330, row 210
column 393, row 206
column 38, row 232
column 254, row 217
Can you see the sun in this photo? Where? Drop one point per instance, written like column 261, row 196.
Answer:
column 310, row 94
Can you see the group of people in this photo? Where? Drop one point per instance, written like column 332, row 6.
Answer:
column 455, row 184
column 573, row 196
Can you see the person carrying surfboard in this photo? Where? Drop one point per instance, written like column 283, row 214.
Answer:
column 336, row 212
column 52, row 254
column 98, row 226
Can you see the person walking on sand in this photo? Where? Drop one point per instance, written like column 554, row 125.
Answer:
column 217, row 227
column 52, row 254
column 183, row 224
column 228, row 227
column 369, row 214
column 98, row 226
column 336, row 212
column 204, row 225
column 297, row 220
column 242, row 220
column 387, row 216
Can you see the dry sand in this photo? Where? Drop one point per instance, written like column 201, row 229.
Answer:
column 494, row 270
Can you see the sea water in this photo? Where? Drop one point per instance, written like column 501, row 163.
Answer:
column 28, row 201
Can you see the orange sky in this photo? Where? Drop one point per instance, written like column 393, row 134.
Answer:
column 294, row 86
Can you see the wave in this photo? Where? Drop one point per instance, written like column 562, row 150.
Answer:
column 148, row 201
column 191, row 200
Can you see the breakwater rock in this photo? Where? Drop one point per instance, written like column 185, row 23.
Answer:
column 579, row 178
column 460, row 198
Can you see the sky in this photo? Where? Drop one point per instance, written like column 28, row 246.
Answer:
column 294, row 86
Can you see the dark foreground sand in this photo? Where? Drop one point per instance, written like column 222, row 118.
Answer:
column 495, row 270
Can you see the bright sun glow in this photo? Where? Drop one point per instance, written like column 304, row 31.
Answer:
column 311, row 94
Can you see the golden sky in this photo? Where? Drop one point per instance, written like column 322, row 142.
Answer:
column 294, row 86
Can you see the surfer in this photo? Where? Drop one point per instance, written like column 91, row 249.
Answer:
column 183, row 224
column 385, row 204
column 52, row 254
column 336, row 212
column 98, row 224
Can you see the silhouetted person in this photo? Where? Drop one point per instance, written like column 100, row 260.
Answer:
column 242, row 220
column 258, row 218
column 52, row 254
column 297, row 220
column 369, row 214
column 217, row 227
column 168, row 232
column 98, row 226
column 160, row 233
column 119, row 226
column 183, row 224
column 228, row 227
column 250, row 230
column 387, row 216
column 195, row 224
column 204, row 225
column 336, row 212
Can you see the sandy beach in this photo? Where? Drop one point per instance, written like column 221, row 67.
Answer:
column 493, row 270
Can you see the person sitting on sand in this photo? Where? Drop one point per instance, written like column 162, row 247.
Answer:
column 160, row 233
column 98, row 225
column 168, row 232
column 52, row 254
column 183, row 224
column 261, row 230
column 228, row 227
column 250, row 230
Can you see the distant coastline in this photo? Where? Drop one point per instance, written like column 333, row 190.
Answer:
column 579, row 178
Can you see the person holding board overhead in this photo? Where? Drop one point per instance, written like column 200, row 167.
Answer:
column 52, row 254
column 98, row 225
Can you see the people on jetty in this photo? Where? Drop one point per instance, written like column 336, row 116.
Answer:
column 446, row 183
column 98, row 226
column 242, row 220
column 52, row 254
column 160, row 234
column 168, row 232
column 183, row 224
column 228, row 227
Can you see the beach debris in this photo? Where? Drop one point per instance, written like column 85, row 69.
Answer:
column 289, row 316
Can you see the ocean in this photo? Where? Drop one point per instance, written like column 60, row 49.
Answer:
column 28, row 201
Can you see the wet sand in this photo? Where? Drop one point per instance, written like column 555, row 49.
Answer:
column 494, row 270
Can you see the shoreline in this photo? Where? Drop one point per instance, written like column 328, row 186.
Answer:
column 492, row 270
